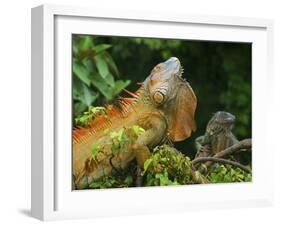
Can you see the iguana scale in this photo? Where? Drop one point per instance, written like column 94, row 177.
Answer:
column 164, row 106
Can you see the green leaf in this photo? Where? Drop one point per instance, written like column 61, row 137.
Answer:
column 138, row 130
column 100, row 48
column 109, row 79
column 88, row 97
column 81, row 72
column 83, row 94
column 101, row 66
column 99, row 83
column 74, row 50
column 110, row 62
column 85, row 42
column 115, row 147
column 93, row 74
column 79, row 107
column 117, row 134
column 163, row 178
column 147, row 164
column 129, row 180
column 97, row 110
column 95, row 148
column 248, row 178
column 119, row 86
column 95, row 184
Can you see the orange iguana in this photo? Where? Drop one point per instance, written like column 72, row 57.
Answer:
column 164, row 106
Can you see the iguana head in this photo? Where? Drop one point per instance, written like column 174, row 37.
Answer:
column 220, row 122
column 171, row 94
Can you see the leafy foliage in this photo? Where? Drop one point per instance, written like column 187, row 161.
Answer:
column 119, row 140
column 166, row 166
column 226, row 173
column 112, row 182
column 94, row 73
column 88, row 117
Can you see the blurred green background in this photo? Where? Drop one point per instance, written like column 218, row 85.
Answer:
column 219, row 73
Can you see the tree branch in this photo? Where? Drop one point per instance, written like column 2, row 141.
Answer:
column 226, row 161
column 243, row 144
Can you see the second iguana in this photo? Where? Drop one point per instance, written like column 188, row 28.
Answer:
column 218, row 135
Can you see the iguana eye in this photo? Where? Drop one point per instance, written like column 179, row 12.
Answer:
column 158, row 97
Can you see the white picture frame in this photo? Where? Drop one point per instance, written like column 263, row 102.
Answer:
column 52, row 196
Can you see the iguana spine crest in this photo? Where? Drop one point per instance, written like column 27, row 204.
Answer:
column 102, row 122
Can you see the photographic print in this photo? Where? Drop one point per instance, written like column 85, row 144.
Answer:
column 160, row 112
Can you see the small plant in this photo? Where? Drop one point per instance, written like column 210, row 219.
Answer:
column 219, row 173
column 118, row 140
column 88, row 117
column 112, row 182
column 166, row 166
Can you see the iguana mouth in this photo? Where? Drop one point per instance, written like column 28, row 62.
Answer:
column 173, row 66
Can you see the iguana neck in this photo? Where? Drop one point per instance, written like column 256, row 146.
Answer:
column 220, row 141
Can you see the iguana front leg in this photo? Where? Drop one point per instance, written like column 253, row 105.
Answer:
column 201, row 147
column 150, row 138
column 156, row 127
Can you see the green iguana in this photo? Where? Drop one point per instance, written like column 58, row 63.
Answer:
column 164, row 106
column 218, row 135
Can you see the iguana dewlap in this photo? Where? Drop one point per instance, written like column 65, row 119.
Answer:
column 164, row 106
